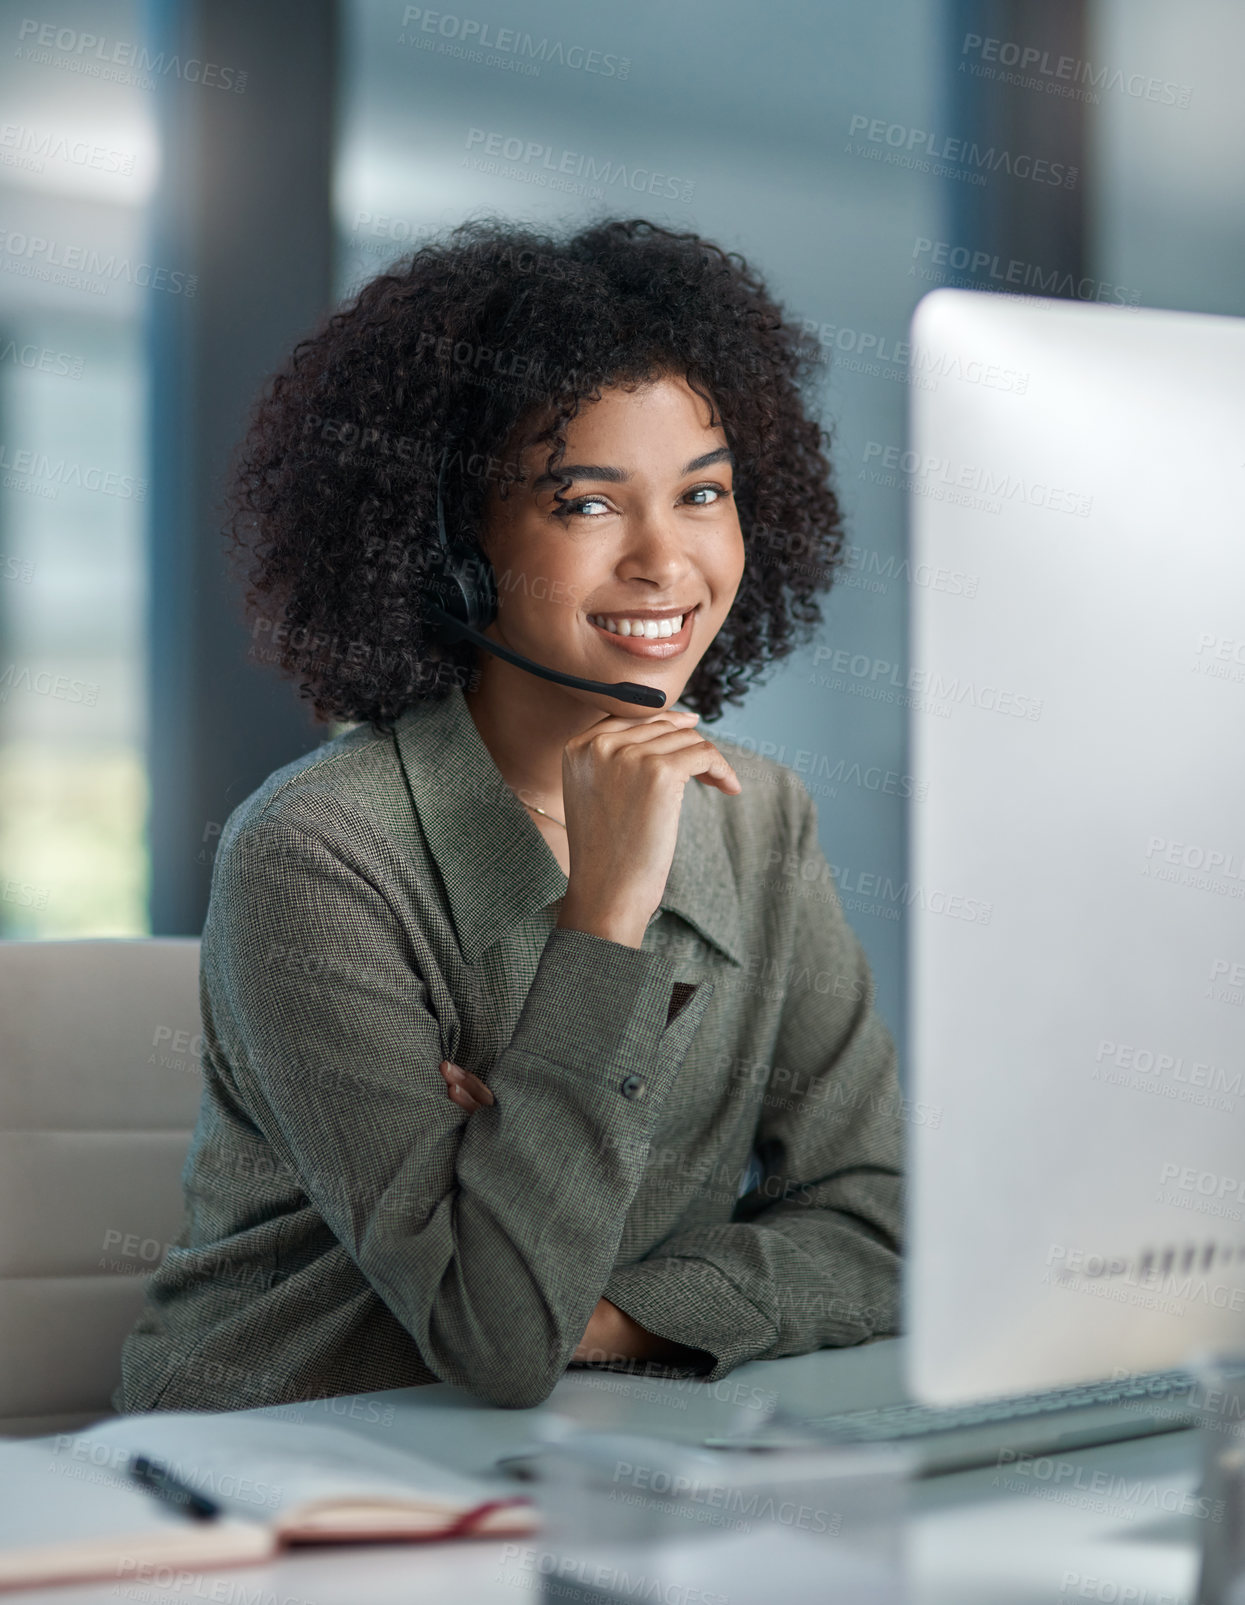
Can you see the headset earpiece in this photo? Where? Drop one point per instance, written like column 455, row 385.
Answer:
column 462, row 580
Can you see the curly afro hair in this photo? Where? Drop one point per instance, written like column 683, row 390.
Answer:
column 461, row 346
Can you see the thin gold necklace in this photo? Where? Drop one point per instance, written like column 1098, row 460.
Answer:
column 542, row 811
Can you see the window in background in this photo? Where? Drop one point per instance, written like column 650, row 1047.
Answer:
column 1168, row 209
column 77, row 160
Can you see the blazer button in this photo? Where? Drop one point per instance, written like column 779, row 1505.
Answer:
column 633, row 1087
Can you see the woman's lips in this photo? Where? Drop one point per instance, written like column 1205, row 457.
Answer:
column 644, row 646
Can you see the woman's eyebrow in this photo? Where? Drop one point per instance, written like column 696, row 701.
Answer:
column 616, row 476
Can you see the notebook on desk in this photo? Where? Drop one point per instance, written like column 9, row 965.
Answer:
column 69, row 1508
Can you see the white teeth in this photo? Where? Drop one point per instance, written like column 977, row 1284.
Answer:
column 653, row 629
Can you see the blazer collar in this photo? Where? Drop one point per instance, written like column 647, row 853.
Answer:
column 496, row 866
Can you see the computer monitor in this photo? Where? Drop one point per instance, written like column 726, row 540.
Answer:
column 1077, row 855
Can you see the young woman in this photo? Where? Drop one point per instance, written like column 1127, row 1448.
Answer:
column 504, row 987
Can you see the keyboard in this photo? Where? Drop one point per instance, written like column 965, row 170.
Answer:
column 992, row 1432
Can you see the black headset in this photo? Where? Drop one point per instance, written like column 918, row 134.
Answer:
column 462, row 582
column 463, row 602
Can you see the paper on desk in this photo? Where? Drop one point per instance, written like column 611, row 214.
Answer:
column 63, row 1519
column 284, row 1472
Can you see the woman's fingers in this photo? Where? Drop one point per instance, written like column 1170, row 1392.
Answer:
column 710, row 768
column 624, row 721
column 697, row 756
column 661, row 735
column 620, row 724
column 467, row 1091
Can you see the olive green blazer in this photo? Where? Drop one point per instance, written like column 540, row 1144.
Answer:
column 385, row 902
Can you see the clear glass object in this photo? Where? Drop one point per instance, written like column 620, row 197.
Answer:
column 629, row 1516
column 1219, row 1401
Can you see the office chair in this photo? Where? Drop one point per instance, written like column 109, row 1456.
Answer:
column 99, row 1092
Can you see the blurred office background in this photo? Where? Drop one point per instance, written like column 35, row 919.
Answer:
column 186, row 187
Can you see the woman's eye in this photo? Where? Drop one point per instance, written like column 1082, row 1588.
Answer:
column 568, row 508
column 716, row 491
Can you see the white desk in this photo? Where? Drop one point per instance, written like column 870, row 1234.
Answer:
column 974, row 1538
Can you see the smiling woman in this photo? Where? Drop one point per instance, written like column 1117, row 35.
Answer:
column 487, row 1049
column 663, row 543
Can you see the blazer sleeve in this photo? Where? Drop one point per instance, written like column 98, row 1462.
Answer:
column 811, row 1256
column 490, row 1235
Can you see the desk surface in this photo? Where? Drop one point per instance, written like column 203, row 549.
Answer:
column 1108, row 1522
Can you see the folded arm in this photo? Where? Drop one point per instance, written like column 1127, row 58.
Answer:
column 488, row 1248
column 611, row 1334
column 810, row 1258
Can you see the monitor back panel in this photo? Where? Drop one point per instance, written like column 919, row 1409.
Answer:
column 1077, row 842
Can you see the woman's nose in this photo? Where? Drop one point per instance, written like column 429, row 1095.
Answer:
column 656, row 551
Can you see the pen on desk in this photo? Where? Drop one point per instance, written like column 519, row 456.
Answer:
column 169, row 1490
